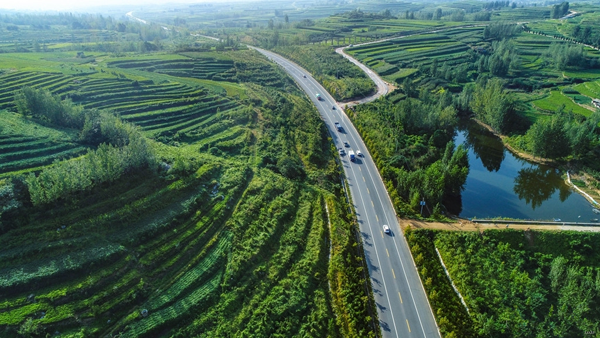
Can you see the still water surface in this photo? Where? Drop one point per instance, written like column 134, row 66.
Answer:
column 502, row 185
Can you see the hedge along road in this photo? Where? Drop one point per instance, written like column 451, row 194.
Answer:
column 402, row 304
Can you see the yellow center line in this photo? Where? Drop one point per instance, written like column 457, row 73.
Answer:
column 364, row 179
column 377, row 218
column 400, row 297
column 359, row 168
column 373, row 204
column 368, row 191
column 381, row 234
column 408, row 325
column 386, row 250
column 393, row 274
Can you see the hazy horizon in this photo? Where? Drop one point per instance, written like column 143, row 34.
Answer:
column 62, row 5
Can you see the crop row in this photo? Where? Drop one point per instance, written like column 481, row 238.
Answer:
column 192, row 276
column 183, row 126
column 178, row 309
column 159, row 120
column 38, row 157
column 49, row 267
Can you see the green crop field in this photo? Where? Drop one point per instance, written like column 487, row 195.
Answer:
column 557, row 99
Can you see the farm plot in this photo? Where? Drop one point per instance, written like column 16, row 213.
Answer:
column 396, row 59
column 26, row 145
column 77, row 275
column 168, row 107
column 557, row 99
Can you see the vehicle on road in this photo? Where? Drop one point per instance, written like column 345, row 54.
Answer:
column 341, row 151
column 319, row 97
column 358, row 153
column 333, row 108
column 386, row 229
column 346, row 144
column 351, row 154
column 304, row 76
column 338, row 126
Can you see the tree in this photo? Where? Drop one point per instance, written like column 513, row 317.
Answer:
column 438, row 14
column 547, row 138
column 286, row 19
column 493, row 105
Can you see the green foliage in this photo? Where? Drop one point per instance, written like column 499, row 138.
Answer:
column 224, row 239
column 342, row 79
column 450, row 314
column 106, row 164
column 527, row 283
column 347, row 274
column 493, row 105
column 41, row 103
column 566, row 56
column 500, row 30
column 559, row 10
column 504, row 58
column 406, row 141
column 30, row 328
column 562, row 135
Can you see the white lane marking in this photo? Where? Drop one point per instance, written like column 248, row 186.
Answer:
column 342, row 121
column 351, row 135
column 400, row 258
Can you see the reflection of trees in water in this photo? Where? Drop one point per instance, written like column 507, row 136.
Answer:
column 453, row 203
column 537, row 184
column 485, row 145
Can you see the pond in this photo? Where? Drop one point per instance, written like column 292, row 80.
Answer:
column 502, row 185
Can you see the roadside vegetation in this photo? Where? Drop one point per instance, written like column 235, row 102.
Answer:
column 342, row 79
column 527, row 283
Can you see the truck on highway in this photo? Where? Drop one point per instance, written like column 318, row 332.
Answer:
column 338, row 126
column 352, row 156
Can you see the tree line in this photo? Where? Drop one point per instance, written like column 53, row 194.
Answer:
column 411, row 144
column 121, row 146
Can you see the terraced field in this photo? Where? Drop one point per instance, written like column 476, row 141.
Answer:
column 25, row 145
column 395, row 58
column 57, row 284
column 222, row 235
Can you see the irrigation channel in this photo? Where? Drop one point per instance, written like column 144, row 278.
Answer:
column 502, row 185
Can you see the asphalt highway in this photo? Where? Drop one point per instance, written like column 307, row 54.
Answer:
column 402, row 304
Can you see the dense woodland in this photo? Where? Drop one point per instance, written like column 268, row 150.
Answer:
column 515, row 283
column 415, row 153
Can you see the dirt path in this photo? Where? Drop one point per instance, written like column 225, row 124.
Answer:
column 465, row 225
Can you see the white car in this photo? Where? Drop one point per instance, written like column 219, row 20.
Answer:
column 359, row 154
column 386, row 229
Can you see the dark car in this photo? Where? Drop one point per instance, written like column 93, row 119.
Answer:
column 346, row 144
column 304, row 76
column 333, row 108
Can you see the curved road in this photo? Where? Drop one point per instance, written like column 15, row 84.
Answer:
column 402, row 305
